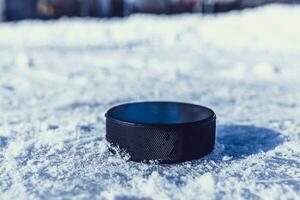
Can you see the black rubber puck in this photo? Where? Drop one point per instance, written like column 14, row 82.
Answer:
column 168, row 132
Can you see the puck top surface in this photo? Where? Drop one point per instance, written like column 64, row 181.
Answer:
column 160, row 113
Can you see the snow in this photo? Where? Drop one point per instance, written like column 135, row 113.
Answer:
column 58, row 78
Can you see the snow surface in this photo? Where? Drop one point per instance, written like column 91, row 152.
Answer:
column 59, row 77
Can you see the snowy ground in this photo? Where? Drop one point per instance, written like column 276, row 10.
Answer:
column 59, row 77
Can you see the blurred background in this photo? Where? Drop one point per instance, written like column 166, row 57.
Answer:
column 53, row 9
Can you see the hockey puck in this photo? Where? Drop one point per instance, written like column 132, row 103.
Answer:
column 169, row 132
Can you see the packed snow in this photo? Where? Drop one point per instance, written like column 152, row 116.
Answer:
column 58, row 78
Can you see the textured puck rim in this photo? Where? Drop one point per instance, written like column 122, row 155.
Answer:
column 173, row 132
